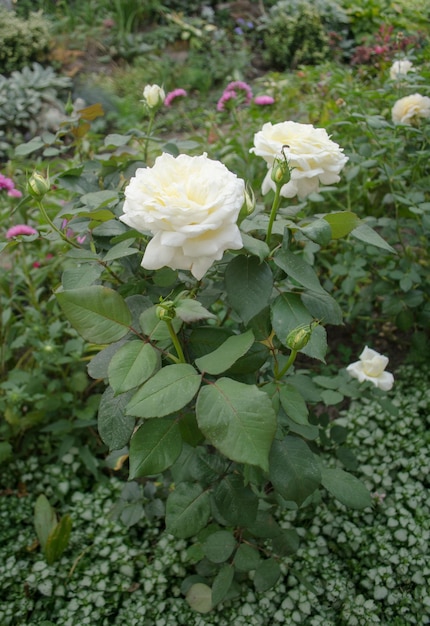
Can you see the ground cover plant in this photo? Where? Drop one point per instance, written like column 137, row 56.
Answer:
column 180, row 292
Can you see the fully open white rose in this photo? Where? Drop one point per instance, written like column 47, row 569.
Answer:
column 371, row 367
column 153, row 95
column 191, row 206
column 400, row 68
column 408, row 110
column 312, row 156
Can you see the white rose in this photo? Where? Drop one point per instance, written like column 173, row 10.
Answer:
column 371, row 367
column 400, row 68
column 409, row 109
column 190, row 205
column 311, row 155
column 153, row 95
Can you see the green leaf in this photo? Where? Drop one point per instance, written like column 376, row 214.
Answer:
column 120, row 250
column 222, row 583
column 199, row 597
column 238, row 420
column 293, row 404
column 114, row 426
column 228, row 353
column 341, row 223
column 288, row 312
column 249, row 286
column 187, row 510
column 318, row 231
column 98, row 199
column 294, row 470
column 256, row 247
column 98, row 313
column 45, row 519
column 287, row 543
column 219, row 546
column 191, row 311
column 266, row 575
column 81, row 276
column 237, row 504
column 132, row 365
column 368, row 235
column 246, row 558
column 5, row 451
column 346, row 488
column 58, row 539
column 323, row 307
column 154, row 447
column 168, row 391
column 299, row 270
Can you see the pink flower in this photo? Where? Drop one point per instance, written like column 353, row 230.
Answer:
column 9, row 185
column 226, row 96
column 239, row 84
column 176, row 93
column 14, row 193
column 264, row 100
column 20, row 229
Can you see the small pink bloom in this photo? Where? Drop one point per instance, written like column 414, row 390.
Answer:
column 81, row 238
column 108, row 23
column 264, row 100
column 14, row 193
column 239, row 84
column 36, row 265
column 226, row 96
column 176, row 93
column 6, row 183
column 20, row 229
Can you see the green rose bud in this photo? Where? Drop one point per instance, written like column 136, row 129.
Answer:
column 166, row 311
column 280, row 170
column 38, row 186
column 298, row 338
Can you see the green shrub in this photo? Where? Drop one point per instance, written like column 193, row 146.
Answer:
column 297, row 32
column 30, row 101
column 22, row 41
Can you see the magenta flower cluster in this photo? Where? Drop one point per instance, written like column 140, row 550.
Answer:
column 20, row 229
column 9, row 185
column 176, row 93
column 233, row 91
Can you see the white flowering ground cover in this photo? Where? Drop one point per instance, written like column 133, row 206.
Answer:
column 353, row 567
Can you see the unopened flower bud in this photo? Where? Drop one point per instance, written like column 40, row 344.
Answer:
column 298, row 338
column 248, row 206
column 153, row 96
column 280, row 171
column 38, row 185
column 166, row 311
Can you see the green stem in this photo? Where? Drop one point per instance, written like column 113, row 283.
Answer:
column 148, row 135
column 287, row 365
column 175, row 341
column 55, row 228
column 274, row 210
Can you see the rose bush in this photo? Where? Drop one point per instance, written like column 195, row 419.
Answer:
column 371, row 367
column 191, row 206
column 410, row 109
column 313, row 158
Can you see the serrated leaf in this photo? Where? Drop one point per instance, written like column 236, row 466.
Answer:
column 256, row 247
column 219, row 546
column 45, row 519
column 249, row 286
column 114, row 426
column 266, row 575
column 189, row 311
column 132, row 365
column 98, row 313
column 299, row 270
column 187, row 510
column 294, row 470
column 238, row 420
column 346, row 488
column 221, row 584
column 154, row 447
column 168, row 391
column 293, row 404
column 227, row 354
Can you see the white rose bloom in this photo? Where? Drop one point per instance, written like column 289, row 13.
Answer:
column 409, row 109
column 400, row 68
column 191, row 206
column 311, row 155
column 153, row 95
column 371, row 367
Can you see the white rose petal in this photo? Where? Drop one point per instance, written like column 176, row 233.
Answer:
column 153, row 95
column 312, row 156
column 190, row 205
column 400, row 68
column 408, row 110
column 371, row 367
